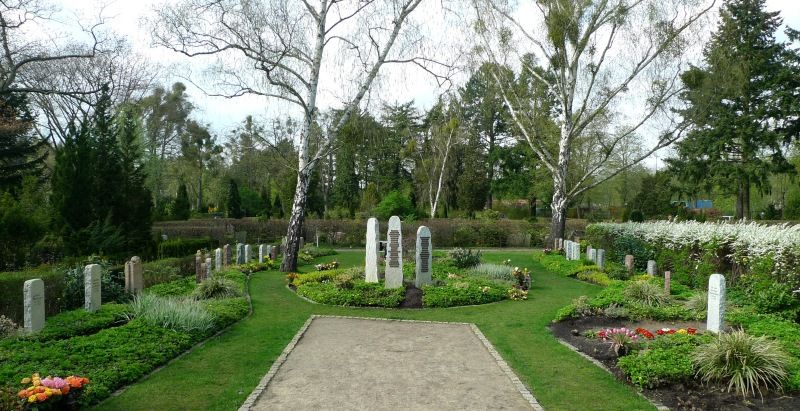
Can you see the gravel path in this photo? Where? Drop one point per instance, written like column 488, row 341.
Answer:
column 365, row 364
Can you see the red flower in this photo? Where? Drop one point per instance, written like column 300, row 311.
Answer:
column 660, row 332
column 671, row 332
column 691, row 331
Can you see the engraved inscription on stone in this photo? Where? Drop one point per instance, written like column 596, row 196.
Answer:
column 394, row 248
column 425, row 253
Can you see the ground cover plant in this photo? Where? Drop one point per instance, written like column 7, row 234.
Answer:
column 120, row 343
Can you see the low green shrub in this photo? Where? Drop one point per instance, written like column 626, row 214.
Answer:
column 216, row 287
column 184, row 286
column 465, row 291
column 745, row 362
column 81, row 322
column 166, row 270
column 665, row 360
column 465, row 258
column 360, row 294
column 698, row 302
column 181, row 247
column 594, row 277
column 646, row 293
column 784, row 331
column 227, row 311
column 316, row 252
column 180, row 315
column 11, row 284
column 112, row 283
column 318, row 276
column 344, row 281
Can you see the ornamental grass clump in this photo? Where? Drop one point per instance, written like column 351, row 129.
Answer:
column 620, row 339
column 179, row 315
column 491, row 271
column 646, row 293
column 698, row 302
column 216, row 287
column 746, row 362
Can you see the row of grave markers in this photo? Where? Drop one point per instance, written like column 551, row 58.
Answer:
column 394, row 254
column 33, row 290
column 716, row 283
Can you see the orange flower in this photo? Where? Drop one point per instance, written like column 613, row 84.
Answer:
column 75, row 383
column 41, row 396
column 39, row 389
column 65, row 390
column 23, row 394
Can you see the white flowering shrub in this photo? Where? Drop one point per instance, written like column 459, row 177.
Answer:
column 741, row 243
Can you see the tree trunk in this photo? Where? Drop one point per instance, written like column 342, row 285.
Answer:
column 294, row 232
column 740, row 201
column 558, row 223
column 746, row 198
column 200, row 191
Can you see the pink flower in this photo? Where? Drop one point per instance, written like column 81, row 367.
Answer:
column 54, row 382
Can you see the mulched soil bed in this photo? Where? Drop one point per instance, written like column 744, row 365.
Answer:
column 676, row 396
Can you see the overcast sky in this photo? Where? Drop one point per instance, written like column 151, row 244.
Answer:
column 399, row 84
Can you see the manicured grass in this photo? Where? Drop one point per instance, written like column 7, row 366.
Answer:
column 223, row 372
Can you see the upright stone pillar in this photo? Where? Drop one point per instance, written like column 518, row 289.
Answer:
column 591, row 254
column 248, row 253
column 198, row 259
column 576, row 252
column 273, row 252
column 91, row 287
column 394, row 255
column 239, row 253
column 302, row 243
column 218, row 259
column 207, row 271
column 371, row 258
column 667, row 282
column 601, row 259
column 262, row 252
column 589, row 250
column 629, row 263
column 424, row 254
column 227, row 251
column 716, row 303
column 134, row 275
column 652, row 268
column 33, row 301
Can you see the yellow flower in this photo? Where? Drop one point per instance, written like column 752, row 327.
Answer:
column 32, row 398
column 25, row 380
column 682, row 331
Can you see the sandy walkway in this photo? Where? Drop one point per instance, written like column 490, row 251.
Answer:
column 363, row 364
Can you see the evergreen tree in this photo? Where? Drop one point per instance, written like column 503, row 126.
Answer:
column 473, row 185
column 137, row 204
column 266, row 203
column 233, row 203
column 181, row 209
column 20, row 153
column 733, row 104
column 106, row 199
column 277, row 207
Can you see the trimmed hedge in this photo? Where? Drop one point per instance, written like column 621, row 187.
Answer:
column 11, row 286
column 446, row 232
column 181, row 247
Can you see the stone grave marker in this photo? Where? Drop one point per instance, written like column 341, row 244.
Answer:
column 248, row 253
column 227, row 252
column 652, row 269
column 302, row 243
column 239, row 253
column 591, row 254
column 134, row 275
column 207, row 271
column 373, row 246
column 589, row 250
column 273, row 252
column 262, row 252
column 576, row 251
column 600, row 259
column 716, row 303
column 567, row 249
column 667, row 282
column 218, row 259
column 424, row 258
column 91, row 287
column 198, row 259
column 33, row 296
column 394, row 254
column 629, row 263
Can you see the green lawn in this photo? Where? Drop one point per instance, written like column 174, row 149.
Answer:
column 221, row 374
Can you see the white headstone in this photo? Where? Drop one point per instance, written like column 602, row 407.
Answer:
column 208, row 267
column 652, row 269
column 394, row 254
column 227, row 253
column 567, row 249
column 371, row 258
column 91, row 287
column 33, row 296
column 134, row 275
column 218, row 259
column 600, row 259
column 262, row 252
column 576, row 252
column 716, row 303
column 589, row 250
column 248, row 253
column 591, row 254
column 424, row 259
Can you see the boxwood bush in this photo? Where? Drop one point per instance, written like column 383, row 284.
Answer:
column 359, row 293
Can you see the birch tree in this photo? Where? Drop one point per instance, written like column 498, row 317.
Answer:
column 289, row 50
column 613, row 67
